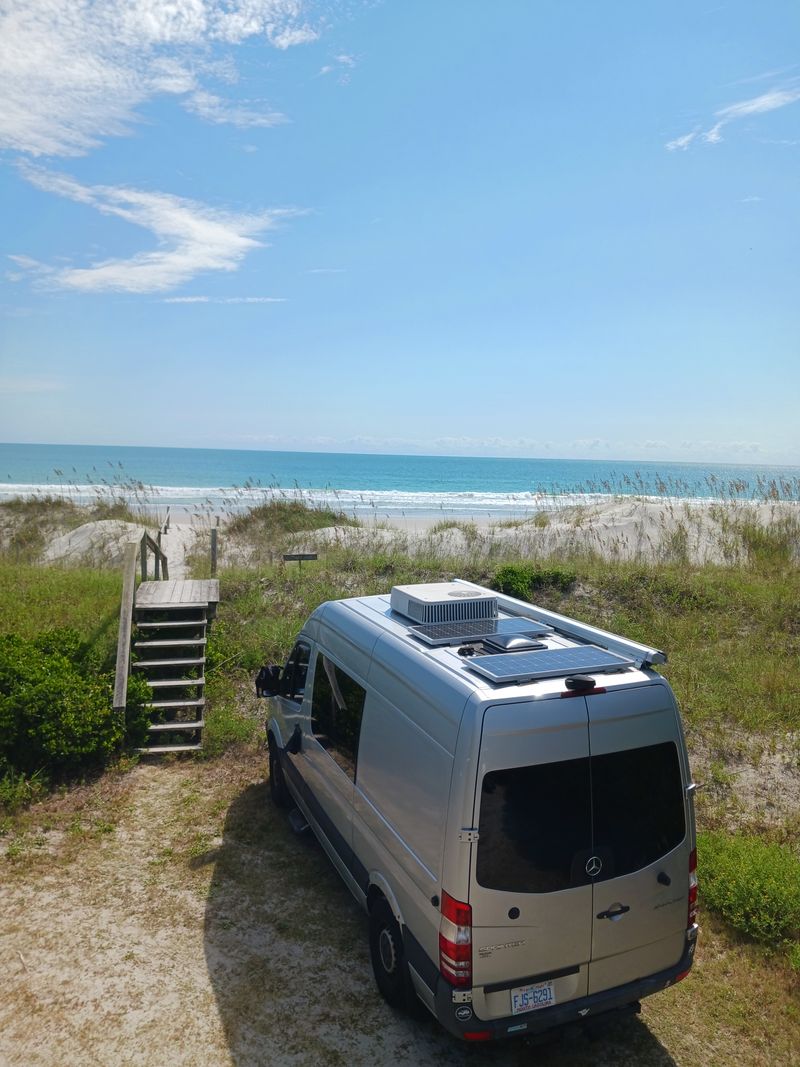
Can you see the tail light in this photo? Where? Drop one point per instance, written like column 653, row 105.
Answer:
column 691, row 919
column 455, row 942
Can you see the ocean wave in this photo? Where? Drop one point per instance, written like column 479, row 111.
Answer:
column 362, row 503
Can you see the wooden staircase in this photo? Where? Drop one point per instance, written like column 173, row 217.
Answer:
column 172, row 620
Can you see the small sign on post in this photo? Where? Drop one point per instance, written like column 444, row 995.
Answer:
column 298, row 557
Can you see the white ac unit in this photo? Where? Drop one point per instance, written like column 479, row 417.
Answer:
column 442, row 602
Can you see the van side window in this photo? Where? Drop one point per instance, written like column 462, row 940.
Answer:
column 293, row 679
column 337, row 706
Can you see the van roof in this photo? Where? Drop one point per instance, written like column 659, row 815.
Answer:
column 376, row 630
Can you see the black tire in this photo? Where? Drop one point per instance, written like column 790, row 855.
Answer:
column 388, row 957
column 277, row 783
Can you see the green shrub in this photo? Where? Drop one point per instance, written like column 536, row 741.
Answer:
column 520, row 579
column 137, row 714
column 19, row 790
column 753, row 885
column 56, row 716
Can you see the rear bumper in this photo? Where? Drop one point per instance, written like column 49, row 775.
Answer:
column 584, row 1009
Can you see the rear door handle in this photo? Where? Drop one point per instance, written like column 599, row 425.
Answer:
column 613, row 912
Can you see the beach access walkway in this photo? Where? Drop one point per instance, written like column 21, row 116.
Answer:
column 171, row 619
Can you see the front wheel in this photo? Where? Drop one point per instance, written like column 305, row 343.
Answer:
column 388, row 957
column 277, row 782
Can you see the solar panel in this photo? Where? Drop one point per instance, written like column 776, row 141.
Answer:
column 455, row 633
column 525, row 666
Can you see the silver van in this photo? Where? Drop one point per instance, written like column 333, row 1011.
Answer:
column 507, row 793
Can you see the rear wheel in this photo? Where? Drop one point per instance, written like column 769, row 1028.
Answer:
column 388, row 957
column 277, row 782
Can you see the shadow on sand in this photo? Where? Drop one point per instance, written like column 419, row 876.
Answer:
column 286, row 950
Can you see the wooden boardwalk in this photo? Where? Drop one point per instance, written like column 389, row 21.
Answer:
column 179, row 593
column 172, row 619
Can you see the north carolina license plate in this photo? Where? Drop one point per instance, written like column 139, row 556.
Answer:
column 532, row 997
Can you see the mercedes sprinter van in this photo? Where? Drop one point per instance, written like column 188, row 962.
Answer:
column 505, row 790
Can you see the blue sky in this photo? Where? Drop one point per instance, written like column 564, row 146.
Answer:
column 520, row 228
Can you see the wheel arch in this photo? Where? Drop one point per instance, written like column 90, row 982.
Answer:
column 274, row 738
column 379, row 889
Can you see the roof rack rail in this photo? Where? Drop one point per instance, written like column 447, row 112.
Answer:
column 642, row 655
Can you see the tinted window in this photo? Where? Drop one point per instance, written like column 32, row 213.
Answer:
column 535, row 827
column 638, row 806
column 540, row 825
column 293, row 679
column 337, row 706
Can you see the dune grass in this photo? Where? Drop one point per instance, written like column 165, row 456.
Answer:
column 27, row 523
column 34, row 598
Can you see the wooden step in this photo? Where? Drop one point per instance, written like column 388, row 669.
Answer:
column 174, row 605
column 141, row 664
column 174, row 683
column 171, row 624
column 158, row 750
column 158, row 727
column 198, row 703
column 172, row 642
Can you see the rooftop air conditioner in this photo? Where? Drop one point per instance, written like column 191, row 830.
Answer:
column 443, row 602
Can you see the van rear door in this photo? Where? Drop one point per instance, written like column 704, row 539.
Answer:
column 531, row 898
column 640, row 838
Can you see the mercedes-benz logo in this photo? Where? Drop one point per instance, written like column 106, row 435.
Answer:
column 594, row 866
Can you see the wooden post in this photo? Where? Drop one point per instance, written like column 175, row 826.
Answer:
column 124, row 634
column 214, row 532
column 157, row 564
column 143, row 557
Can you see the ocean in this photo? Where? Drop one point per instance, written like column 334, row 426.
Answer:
column 361, row 484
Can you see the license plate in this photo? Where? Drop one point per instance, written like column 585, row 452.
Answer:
column 532, row 997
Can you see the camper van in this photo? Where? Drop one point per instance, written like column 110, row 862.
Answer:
column 505, row 790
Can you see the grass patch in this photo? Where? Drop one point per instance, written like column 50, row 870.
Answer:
column 521, row 579
column 27, row 523
column 754, row 886
column 33, row 599
column 275, row 518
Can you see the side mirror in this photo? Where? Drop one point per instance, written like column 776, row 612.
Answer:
column 268, row 681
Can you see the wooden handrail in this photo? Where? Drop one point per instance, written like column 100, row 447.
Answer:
column 148, row 542
column 132, row 550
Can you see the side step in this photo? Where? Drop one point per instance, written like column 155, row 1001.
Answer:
column 297, row 821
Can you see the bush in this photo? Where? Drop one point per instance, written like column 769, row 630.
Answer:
column 56, row 715
column 520, row 579
column 19, row 790
column 753, row 885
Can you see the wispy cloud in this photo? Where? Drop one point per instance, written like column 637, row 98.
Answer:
column 192, row 237
column 682, row 143
column 772, row 100
column 74, row 73
column 341, row 64
column 214, row 109
column 327, row 270
column 225, row 300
